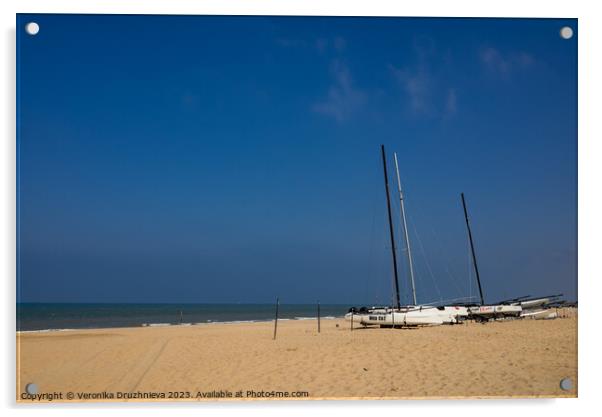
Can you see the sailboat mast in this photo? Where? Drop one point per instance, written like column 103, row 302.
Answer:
column 474, row 257
column 405, row 229
column 382, row 148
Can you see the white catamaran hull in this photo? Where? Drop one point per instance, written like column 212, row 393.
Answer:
column 417, row 316
column 495, row 311
column 540, row 314
column 395, row 319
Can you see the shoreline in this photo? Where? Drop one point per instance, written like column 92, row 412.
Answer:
column 153, row 325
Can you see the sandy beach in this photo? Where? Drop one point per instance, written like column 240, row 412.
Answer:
column 524, row 358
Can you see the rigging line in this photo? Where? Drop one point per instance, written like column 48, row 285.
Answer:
column 449, row 300
column 469, row 269
column 444, row 254
column 377, row 283
column 371, row 254
column 404, row 262
column 385, row 266
column 382, row 269
column 425, row 258
column 371, row 290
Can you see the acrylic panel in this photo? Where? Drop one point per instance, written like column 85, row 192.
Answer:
column 295, row 208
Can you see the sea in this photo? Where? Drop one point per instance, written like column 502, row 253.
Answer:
column 71, row 316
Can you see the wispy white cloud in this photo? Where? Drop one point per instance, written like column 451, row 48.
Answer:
column 503, row 64
column 426, row 93
column 343, row 98
column 425, row 83
column 417, row 85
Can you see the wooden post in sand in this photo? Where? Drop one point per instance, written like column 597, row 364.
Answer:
column 318, row 316
column 352, row 321
column 276, row 319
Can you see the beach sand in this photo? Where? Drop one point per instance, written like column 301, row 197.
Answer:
column 524, row 358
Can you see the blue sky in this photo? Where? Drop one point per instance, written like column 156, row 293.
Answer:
column 233, row 159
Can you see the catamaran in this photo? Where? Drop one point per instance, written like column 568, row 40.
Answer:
column 520, row 307
column 411, row 315
column 538, row 308
column 424, row 315
column 527, row 302
column 485, row 312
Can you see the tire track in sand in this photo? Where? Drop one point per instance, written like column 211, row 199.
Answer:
column 136, row 373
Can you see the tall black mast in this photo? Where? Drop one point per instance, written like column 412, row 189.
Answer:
column 382, row 148
column 474, row 257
